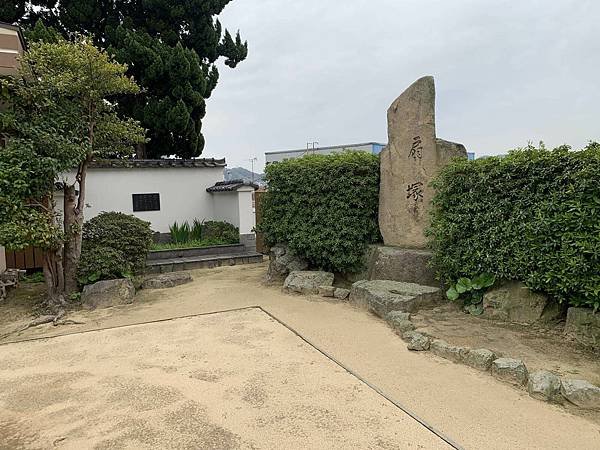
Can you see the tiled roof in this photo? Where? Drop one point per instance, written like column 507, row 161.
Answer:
column 155, row 163
column 231, row 186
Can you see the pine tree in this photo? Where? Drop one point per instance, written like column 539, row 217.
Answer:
column 170, row 47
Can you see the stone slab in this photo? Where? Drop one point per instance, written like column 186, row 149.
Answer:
column 383, row 296
column 408, row 164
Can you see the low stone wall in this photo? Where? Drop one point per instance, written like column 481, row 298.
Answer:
column 542, row 384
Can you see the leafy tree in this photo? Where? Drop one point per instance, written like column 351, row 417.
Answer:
column 170, row 46
column 57, row 118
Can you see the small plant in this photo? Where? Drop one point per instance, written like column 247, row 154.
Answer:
column 35, row 277
column 196, row 230
column 471, row 292
column 180, row 233
column 206, row 232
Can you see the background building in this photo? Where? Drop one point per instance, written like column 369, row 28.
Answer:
column 278, row 156
column 12, row 45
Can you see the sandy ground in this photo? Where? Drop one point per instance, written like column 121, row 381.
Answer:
column 221, row 381
column 470, row 407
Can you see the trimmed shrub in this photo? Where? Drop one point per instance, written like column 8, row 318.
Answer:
column 103, row 263
column 532, row 216
column 114, row 245
column 324, row 208
column 223, row 232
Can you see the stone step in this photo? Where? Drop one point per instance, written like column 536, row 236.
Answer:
column 192, row 252
column 384, row 296
column 203, row 262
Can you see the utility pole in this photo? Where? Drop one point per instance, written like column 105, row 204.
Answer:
column 252, row 162
column 311, row 146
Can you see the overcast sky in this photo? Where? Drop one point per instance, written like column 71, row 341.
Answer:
column 507, row 72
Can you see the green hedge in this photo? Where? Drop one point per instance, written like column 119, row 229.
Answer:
column 114, row 245
column 324, row 208
column 533, row 216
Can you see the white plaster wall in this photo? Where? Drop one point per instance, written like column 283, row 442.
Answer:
column 226, row 207
column 2, row 259
column 247, row 215
column 182, row 192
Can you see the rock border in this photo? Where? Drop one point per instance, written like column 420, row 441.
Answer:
column 542, row 384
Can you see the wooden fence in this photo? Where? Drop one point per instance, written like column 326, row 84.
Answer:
column 30, row 258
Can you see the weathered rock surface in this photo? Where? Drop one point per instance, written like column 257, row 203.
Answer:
column 283, row 261
column 408, row 164
column 105, row 294
column 514, row 302
column 402, row 326
column 384, row 296
column 545, row 386
column 510, row 370
column 398, row 316
column 341, row 293
column 326, row 291
column 398, row 264
column 307, row 282
column 444, row 350
column 581, row 393
column 584, row 326
column 480, row 359
column 167, row 280
column 416, row 342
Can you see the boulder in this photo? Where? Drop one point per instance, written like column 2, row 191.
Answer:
column 167, row 280
column 581, row 393
column 383, row 296
column 341, row 293
column 510, row 370
column 108, row 293
column 416, row 342
column 326, row 291
column 584, row 326
column 545, row 386
column 307, row 282
column 480, row 359
column 283, row 261
column 514, row 302
column 409, row 162
column 444, row 350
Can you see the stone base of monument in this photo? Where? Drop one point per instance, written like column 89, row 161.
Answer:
column 400, row 264
column 396, row 264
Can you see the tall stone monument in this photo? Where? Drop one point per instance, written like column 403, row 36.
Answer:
column 413, row 157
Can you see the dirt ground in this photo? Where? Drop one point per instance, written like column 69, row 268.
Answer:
column 228, row 380
column 540, row 347
column 470, row 407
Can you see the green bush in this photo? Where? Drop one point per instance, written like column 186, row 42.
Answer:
column 114, row 245
column 103, row 263
column 533, row 216
column 224, row 232
column 324, row 208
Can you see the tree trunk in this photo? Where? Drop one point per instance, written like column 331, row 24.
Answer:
column 140, row 151
column 55, row 283
column 72, row 245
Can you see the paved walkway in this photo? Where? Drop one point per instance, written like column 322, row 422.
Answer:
column 470, row 407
